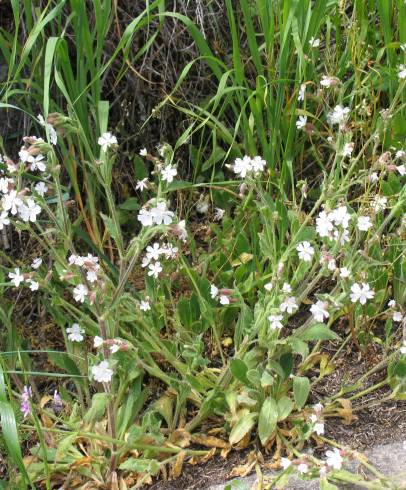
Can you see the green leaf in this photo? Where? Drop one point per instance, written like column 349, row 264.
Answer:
column 10, row 437
column 301, row 389
column 268, row 417
column 319, row 331
column 62, row 360
column 150, row 466
column 299, row 347
column 285, row 407
column 97, row 409
column 239, row 370
column 64, row 445
column 325, row 485
column 130, row 204
column 109, row 224
column 242, row 427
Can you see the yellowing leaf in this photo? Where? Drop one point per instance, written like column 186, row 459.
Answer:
column 176, row 468
column 211, row 441
column 242, row 259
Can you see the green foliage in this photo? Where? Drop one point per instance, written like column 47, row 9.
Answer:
column 221, row 336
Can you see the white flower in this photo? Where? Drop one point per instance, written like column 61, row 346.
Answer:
column 328, row 81
column 364, row 223
column 114, row 348
column 341, row 236
column 302, row 468
column 97, row 342
column 41, row 188
column 34, row 285
column 142, row 184
column 106, row 140
column 145, row 305
column 102, row 373
column 29, row 211
column 268, row 286
column 314, row 43
column 161, row 214
column 285, row 462
column 168, row 173
column 344, row 272
column 319, row 311
column 286, row 288
column 145, row 217
column 180, row 230
column 38, row 163
column 324, row 224
column 392, row 303
column 319, row 428
column 170, row 251
column 305, row 251
column 242, row 166
column 289, row 305
column 4, row 184
column 4, row 219
column 341, row 216
column 402, row 72
column 348, row 149
column 91, row 276
column 302, row 92
column 36, row 263
column 401, row 169
column 301, row 122
column 145, row 262
column 154, row 269
column 143, row 152
column 374, row 177
column 318, row 407
column 379, row 203
column 331, row 265
column 339, row 115
column 51, row 130
column 11, row 202
column 361, row 293
column 403, row 347
column 275, row 321
column 397, row 316
column 334, row 459
column 25, row 156
column 16, row 277
column 75, row 333
column 224, row 299
column 154, row 252
column 400, row 154
column 218, row 215
column 258, row 164
column 80, row 292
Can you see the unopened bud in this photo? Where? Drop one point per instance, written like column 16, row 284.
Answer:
column 92, row 297
column 67, row 276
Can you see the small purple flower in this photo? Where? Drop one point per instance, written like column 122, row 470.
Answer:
column 57, row 404
column 25, row 401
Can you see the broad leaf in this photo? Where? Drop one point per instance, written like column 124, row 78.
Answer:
column 268, row 417
column 242, row 427
column 301, row 389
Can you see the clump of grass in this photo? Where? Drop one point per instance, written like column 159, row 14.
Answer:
column 173, row 330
